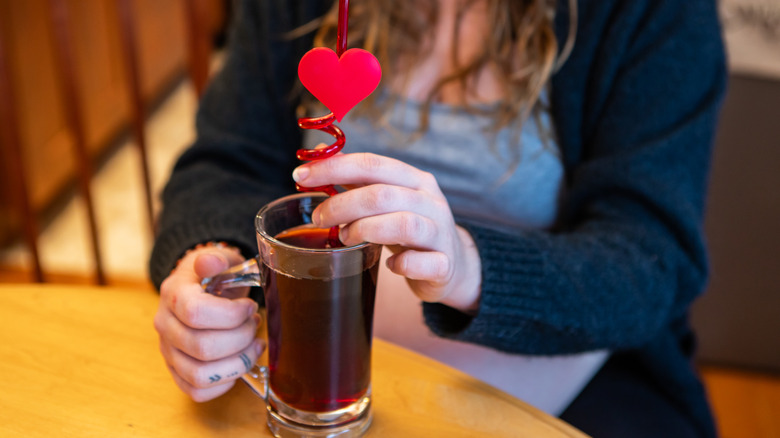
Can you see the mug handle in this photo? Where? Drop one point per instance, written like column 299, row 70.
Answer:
column 243, row 275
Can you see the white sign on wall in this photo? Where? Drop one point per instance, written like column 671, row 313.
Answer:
column 752, row 33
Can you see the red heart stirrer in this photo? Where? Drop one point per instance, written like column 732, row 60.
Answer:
column 339, row 83
column 340, row 80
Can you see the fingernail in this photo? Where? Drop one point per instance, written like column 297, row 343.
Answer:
column 316, row 216
column 343, row 234
column 253, row 309
column 389, row 263
column 300, row 173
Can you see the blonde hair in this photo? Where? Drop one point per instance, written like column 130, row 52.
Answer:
column 522, row 45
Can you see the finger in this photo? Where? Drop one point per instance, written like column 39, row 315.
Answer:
column 375, row 200
column 431, row 266
column 197, row 394
column 193, row 307
column 207, row 345
column 400, row 228
column 186, row 299
column 208, row 261
column 200, row 374
column 363, row 168
column 210, row 264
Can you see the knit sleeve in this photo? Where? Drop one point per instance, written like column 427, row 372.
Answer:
column 246, row 137
column 637, row 106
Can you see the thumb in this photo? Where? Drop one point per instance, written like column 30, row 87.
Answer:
column 210, row 264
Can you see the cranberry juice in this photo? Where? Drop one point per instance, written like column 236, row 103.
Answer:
column 319, row 332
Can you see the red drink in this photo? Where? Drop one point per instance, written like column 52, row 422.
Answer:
column 319, row 332
column 320, row 309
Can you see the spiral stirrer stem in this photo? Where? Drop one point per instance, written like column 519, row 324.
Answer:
column 325, row 124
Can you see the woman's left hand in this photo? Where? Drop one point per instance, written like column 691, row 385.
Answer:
column 395, row 204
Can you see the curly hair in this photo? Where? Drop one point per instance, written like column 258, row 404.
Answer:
column 522, row 44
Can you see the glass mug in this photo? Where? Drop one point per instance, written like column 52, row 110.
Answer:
column 319, row 315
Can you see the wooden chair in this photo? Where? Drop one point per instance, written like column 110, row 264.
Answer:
column 72, row 109
column 9, row 136
column 199, row 49
column 199, row 19
column 199, row 43
column 130, row 54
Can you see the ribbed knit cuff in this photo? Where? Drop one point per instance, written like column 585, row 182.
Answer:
column 511, row 294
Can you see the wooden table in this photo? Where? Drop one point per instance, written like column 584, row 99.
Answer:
column 84, row 361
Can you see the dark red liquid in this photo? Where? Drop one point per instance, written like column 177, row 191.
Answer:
column 319, row 333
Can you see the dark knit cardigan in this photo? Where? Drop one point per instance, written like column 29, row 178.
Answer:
column 635, row 106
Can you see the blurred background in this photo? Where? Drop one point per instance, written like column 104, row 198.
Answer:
column 97, row 99
column 106, row 88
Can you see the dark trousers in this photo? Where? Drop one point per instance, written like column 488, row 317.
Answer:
column 622, row 403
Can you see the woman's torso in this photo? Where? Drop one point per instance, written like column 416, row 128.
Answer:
column 511, row 180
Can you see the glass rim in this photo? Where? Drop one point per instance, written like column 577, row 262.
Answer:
column 297, row 196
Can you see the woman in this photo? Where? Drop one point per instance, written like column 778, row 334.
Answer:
column 541, row 189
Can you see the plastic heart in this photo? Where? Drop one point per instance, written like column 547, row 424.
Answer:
column 339, row 83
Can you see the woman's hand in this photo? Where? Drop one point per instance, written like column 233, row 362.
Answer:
column 397, row 205
column 206, row 341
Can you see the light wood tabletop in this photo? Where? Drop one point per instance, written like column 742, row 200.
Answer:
column 83, row 361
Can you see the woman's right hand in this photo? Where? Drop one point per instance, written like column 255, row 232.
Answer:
column 207, row 342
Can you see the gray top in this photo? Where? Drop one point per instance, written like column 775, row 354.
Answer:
column 505, row 179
